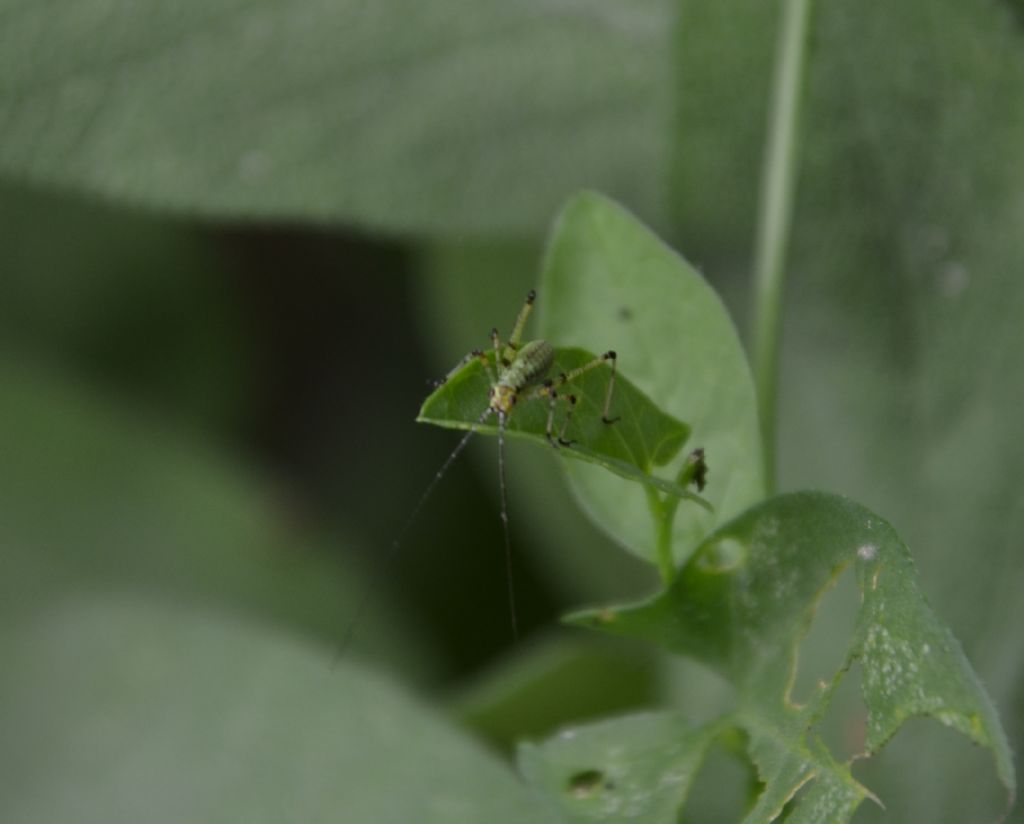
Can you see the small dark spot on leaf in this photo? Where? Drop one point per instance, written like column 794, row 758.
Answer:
column 625, row 313
column 587, row 782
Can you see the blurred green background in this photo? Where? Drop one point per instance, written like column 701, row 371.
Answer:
column 237, row 239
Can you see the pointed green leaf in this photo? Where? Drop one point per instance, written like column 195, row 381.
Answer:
column 745, row 600
column 609, row 282
column 643, row 438
column 95, row 493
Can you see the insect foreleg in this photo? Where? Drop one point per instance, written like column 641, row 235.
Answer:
column 501, row 359
column 476, row 354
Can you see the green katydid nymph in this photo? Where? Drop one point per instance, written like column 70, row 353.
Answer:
column 520, row 374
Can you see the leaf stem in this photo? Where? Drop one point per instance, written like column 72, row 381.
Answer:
column 663, row 510
column 664, row 517
column 778, row 183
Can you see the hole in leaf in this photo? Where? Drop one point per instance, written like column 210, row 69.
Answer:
column 587, row 782
column 823, row 650
column 699, row 692
column 844, row 727
column 724, row 789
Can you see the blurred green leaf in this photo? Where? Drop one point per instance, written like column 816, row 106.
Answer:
column 722, row 70
column 609, row 282
column 560, row 680
column 95, row 498
column 635, row 768
column 399, row 115
column 125, row 712
column 643, row 438
column 901, row 378
column 745, row 600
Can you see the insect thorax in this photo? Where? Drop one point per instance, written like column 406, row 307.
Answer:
column 525, row 368
column 531, row 363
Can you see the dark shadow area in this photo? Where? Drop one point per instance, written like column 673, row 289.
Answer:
column 292, row 354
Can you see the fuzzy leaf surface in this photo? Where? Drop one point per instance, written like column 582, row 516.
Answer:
column 398, row 115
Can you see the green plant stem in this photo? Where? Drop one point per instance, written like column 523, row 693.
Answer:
column 663, row 510
column 778, row 182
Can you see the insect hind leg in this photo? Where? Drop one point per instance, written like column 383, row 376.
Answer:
column 549, row 431
column 608, row 357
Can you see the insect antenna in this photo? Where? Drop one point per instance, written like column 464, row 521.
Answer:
column 399, row 539
column 504, row 524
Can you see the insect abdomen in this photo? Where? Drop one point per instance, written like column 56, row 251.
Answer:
column 532, row 363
